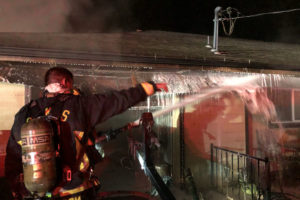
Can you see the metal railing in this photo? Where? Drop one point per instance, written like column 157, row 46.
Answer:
column 240, row 176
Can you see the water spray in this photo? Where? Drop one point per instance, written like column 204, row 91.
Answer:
column 246, row 87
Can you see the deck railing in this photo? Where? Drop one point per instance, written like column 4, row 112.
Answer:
column 240, row 176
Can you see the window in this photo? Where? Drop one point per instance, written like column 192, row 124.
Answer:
column 296, row 105
column 287, row 105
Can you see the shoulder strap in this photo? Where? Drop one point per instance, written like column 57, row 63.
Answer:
column 34, row 109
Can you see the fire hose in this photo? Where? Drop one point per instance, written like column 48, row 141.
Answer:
column 143, row 154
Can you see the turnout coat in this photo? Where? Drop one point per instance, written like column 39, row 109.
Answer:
column 79, row 115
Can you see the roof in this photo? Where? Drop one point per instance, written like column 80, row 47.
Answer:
column 117, row 60
column 152, row 47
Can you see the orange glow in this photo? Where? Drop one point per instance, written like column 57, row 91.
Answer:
column 196, row 124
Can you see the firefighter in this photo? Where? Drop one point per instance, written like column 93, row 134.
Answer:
column 77, row 115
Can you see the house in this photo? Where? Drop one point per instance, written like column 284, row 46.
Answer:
column 224, row 98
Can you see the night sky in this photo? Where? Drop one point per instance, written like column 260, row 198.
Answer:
column 188, row 16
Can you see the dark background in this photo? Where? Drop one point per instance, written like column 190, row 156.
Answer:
column 188, row 16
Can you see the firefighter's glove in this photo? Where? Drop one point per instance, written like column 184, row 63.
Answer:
column 151, row 87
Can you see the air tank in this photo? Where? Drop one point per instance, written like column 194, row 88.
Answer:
column 38, row 156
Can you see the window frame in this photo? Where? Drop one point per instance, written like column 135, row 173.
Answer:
column 287, row 123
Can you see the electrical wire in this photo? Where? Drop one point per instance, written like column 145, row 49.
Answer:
column 229, row 12
column 261, row 14
column 226, row 15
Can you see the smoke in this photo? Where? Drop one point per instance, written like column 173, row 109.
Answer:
column 100, row 16
column 66, row 15
column 34, row 15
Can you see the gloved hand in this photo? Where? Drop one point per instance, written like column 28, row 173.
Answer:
column 150, row 87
